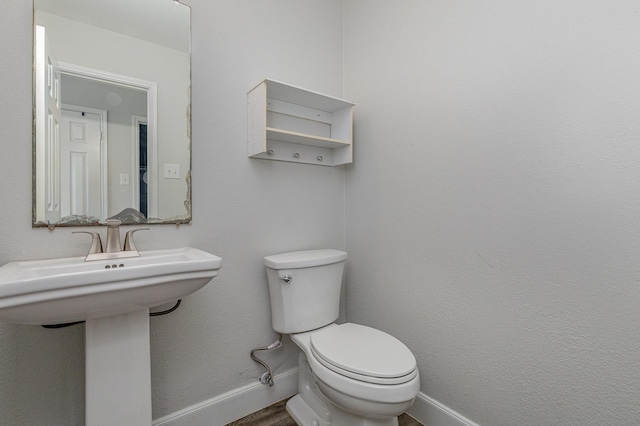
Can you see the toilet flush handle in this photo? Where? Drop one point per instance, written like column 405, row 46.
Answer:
column 286, row 278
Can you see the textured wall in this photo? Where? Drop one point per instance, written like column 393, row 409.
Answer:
column 493, row 209
column 243, row 209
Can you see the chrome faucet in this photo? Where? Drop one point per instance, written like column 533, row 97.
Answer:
column 113, row 249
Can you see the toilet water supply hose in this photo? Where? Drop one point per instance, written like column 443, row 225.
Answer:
column 267, row 376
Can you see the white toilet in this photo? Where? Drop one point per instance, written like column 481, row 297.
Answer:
column 349, row 374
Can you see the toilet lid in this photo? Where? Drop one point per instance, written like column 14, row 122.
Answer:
column 364, row 353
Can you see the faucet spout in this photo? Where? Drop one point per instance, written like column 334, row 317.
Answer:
column 113, row 236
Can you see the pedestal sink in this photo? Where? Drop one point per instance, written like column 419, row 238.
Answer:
column 113, row 297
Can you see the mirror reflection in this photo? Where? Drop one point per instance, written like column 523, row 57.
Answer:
column 112, row 137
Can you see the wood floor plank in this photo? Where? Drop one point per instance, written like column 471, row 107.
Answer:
column 276, row 415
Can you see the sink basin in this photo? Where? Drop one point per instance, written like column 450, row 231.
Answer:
column 65, row 290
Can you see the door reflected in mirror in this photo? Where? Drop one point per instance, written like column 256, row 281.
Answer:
column 111, row 112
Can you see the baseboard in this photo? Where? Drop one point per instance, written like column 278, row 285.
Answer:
column 230, row 406
column 430, row 412
column 233, row 405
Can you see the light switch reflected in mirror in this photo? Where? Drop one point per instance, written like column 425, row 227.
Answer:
column 112, row 81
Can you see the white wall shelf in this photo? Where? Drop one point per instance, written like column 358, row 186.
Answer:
column 287, row 123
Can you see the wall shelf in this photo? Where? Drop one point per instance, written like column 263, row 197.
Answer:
column 287, row 123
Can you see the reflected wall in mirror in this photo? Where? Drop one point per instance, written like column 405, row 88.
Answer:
column 112, row 81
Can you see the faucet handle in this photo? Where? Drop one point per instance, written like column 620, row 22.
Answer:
column 128, row 239
column 96, row 242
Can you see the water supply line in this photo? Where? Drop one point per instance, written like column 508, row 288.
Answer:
column 267, row 376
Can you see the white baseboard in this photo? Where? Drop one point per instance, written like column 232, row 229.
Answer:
column 233, row 405
column 430, row 412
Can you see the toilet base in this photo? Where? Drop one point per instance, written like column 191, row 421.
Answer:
column 310, row 407
column 304, row 415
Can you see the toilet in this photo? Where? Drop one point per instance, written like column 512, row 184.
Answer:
column 349, row 374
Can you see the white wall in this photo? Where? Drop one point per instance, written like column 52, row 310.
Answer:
column 493, row 215
column 243, row 209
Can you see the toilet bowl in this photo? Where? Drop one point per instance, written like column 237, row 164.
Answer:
column 349, row 374
column 363, row 371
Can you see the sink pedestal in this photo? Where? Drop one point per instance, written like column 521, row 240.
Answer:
column 118, row 370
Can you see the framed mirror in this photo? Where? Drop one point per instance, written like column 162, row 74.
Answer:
column 111, row 119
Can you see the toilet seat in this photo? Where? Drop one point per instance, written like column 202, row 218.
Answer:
column 363, row 353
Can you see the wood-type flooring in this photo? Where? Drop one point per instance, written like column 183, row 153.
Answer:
column 276, row 415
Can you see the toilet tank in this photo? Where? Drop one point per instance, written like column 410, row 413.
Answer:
column 304, row 287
